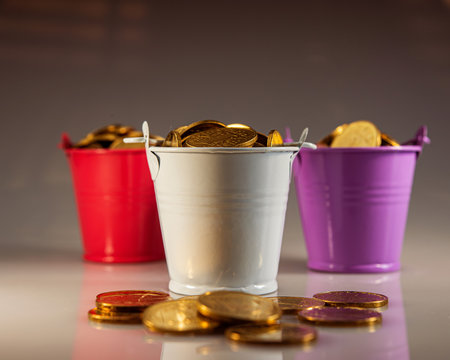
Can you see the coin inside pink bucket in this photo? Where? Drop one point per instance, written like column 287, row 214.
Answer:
column 340, row 316
column 353, row 298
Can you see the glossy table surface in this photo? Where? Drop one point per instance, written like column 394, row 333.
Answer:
column 46, row 297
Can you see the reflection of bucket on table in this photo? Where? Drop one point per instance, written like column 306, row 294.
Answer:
column 354, row 204
column 116, row 205
column 222, row 214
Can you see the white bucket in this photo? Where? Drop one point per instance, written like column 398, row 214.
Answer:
column 222, row 214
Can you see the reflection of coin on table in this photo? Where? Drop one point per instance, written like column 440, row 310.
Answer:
column 272, row 334
column 340, row 316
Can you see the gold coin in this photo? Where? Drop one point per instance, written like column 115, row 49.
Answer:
column 274, row 138
column 87, row 140
column 92, row 140
column 91, row 146
column 272, row 334
column 353, row 299
column 327, row 140
column 238, row 126
column 261, row 141
column 199, row 126
column 222, row 137
column 344, row 316
column 123, row 130
column 291, row 304
column 358, row 134
column 129, row 300
column 173, row 139
column 113, row 317
column 108, row 129
column 179, row 316
column 230, row 306
column 119, row 144
column 386, row 140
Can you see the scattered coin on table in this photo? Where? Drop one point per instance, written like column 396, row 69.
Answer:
column 352, row 299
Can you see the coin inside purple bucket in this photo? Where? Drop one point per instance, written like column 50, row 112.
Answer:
column 340, row 316
column 352, row 298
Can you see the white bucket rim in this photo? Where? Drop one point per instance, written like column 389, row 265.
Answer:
column 223, row 150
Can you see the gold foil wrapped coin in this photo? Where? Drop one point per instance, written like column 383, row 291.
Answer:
column 199, row 126
column 327, row 140
column 238, row 126
column 274, row 138
column 272, row 334
column 113, row 317
column 358, row 134
column 177, row 316
column 386, row 140
column 119, row 144
column 353, row 299
column 231, row 306
column 222, row 137
column 292, row 304
column 173, row 139
column 340, row 316
column 111, row 137
column 261, row 140
column 129, row 300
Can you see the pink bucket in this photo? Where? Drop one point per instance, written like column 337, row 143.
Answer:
column 353, row 204
column 116, row 204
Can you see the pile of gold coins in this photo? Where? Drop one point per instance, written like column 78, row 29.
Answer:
column 213, row 133
column 125, row 306
column 241, row 317
column 357, row 134
column 204, row 133
column 111, row 137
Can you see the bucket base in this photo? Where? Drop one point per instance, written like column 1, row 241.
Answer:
column 120, row 259
column 259, row 289
column 362, row 268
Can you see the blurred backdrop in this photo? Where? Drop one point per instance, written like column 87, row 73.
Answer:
column 72, row 66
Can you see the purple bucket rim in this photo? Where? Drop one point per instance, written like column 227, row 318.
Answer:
column 392, row 149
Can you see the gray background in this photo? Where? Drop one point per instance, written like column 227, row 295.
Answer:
column 72, row 66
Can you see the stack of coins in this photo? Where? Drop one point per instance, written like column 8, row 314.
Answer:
column 213, row 133
column 345, row 308
column 124, row 306
column 357, row 134
column 111, row 137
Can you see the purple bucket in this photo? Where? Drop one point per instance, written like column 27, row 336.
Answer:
column 354, row 204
